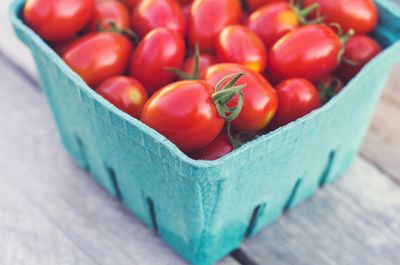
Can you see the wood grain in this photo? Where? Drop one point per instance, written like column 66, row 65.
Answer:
column 382, row 146
column 354, row 221
column 51, row 212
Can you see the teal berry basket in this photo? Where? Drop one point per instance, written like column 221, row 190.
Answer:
column 205, row 209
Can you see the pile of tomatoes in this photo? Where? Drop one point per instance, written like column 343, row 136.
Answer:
column 210, row 74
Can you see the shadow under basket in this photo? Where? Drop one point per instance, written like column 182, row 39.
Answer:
column 204, row 209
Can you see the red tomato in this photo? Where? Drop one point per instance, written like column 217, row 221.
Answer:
column 218, row 148
column 109, row 11
column 256, row 4
column 297, row 97
column 238, row 44
column 359, row 50
column 62, row 46
column 131, row 4
column 98, row 56
column 208, row 18
column 360, row 15
column 151, row 14
column 184, row 113
column 161, row 48
column 310, row 52
column 125, row 93
column 57, row 20
column 205, row 61
column 280, row 19
column 328, row 87
column 260, row 100
column 185, row 2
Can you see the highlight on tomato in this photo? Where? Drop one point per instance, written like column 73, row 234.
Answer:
column 311, row 52
column 208, row 18
column 98, row 56
column 238, row 44
column 159, row 50
column 152, row 14
column 297, row 97
column 57, row 20
column 280, row 18
column 259, row 98
column 107, row 11
column 359, row 50
column 358, row 15
column 125, row 93
column 192, row 113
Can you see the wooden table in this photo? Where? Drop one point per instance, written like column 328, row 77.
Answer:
column 52, row 212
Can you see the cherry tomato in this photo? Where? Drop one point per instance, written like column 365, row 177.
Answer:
column 98, row 56
column 125, row 93
column 61, row 47
column 238, row 44
column 218, row 148
column 310, row 52
column 297, row 97
column 359, row 50
column 57, row 20
column 280, row 19
column 260, row 100
column 205, row 61
column 360, row 15
column 107, row 11
column 184, row 113
column 328, row 87
column 161, row 48
column 256, row 4
column 151, row 14
column 131, row 4
column 208, row 18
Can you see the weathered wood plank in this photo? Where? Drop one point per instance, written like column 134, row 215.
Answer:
column 382, row 146
column 48, row 205
column 354, row 221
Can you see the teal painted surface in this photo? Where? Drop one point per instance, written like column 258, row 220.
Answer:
column 204, row 209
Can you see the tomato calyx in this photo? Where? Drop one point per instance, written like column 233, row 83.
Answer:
column 223, row 94
column 112, row 27
column 239, row 138
column 195, row 75
column 344, row 37
column 328, row 91
column 303, row 13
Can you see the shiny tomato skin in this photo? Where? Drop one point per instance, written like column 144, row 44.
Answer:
column 205, row 61
column 125, row 93
column 310, row 52
column 218, row 148
column 359, row 49
column 98, row 56
column 151, row 14
column 328, row 80
column 260, row 100
column 208, row 18
column 57, row 20
column 280, row 18
column 238, row 44
column 256, row 4
column 185, row 114
column 360, row 15
column 107, row 11
column 297, row 97
column 161, row 48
